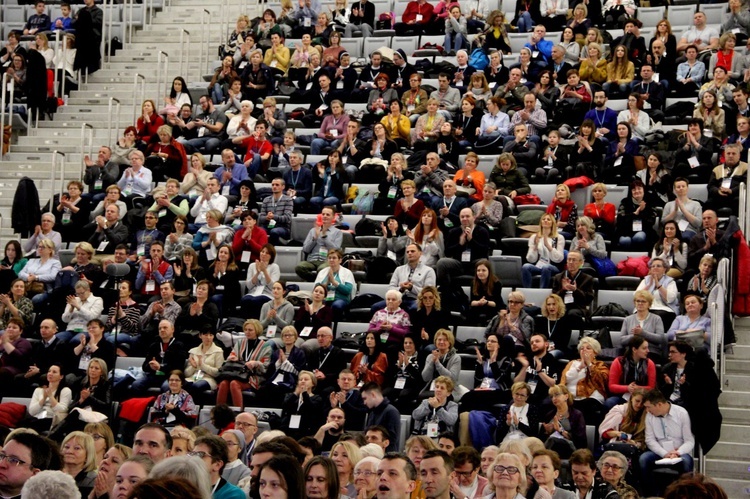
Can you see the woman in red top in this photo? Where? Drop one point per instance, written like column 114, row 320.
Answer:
column 471, row 178
column 601, row 212
column 565, row 211
column 630, row 372
column 250, row 237
column 370, row 364
column 408, row 209
column 148, row 123
column 727, row 57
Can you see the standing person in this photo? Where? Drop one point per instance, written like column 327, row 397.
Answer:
column 88, row 28
column 381, row 412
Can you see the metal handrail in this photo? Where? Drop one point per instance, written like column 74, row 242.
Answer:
column 59, row 37
column 109, row 119
column 106, row 27
column 90, row 128
column 149, row 11
column 159, row 71
column 3, row 85
column 184, row 54
column 202, row 63
column 55, row 155
column 129, row 31
column 136, row 78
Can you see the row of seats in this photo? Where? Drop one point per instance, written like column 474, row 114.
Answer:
column 17, row 15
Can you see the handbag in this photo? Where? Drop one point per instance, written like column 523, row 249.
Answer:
column 694, row 338
column 233, row 370
column 35, row 288
column 604, row 266
column 465, row 191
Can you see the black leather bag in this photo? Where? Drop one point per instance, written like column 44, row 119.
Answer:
column 233, row 370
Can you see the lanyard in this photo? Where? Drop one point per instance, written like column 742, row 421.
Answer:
column 449, row 205
column 294, row 180
column 600, row 121
column 320, row 364
column 164, row 350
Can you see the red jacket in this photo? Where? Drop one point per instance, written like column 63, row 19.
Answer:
column 741, row 304
column 413, row 8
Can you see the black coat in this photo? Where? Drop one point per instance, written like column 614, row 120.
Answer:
column 26, row 213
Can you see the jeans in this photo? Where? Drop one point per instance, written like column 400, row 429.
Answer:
column 217, row 93
column 193, row 145
column 454, row 41
column 525, row 23
column 41, row 298
column 318, row 202
column 611, row 87
column 317, row 145
column 351, row 172
column 363, row 28
column 647, row 461
column 277, row 233
column 529, row 270
column 70, row 336
column 254, row 167
column 637, row 239
column 251, row 305
column 122, row 338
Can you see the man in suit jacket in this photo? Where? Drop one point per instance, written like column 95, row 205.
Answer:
column 575, row 288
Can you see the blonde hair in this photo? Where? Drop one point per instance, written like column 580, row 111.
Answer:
column 594, row 344
column 560, row 305
column 87, row 442
column 448, row 335
column 553, row 226
column 180, row 432
column 448, row 382
column 645, row 295
column 86, row 247
column 352, row 454
column 426, row 442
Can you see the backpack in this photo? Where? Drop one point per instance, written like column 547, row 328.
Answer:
column 351, row 193
column 363, row 202
column 368, row 227
column 478, row 59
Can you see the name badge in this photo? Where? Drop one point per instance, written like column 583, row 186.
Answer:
column 542, row 262
column 271, row 331
column 98, row 184
column 432, row 386
column 693, row 162
column 618, row 161
column 419, row 18
column 411, row 107
column 245, row 258
column 344, row 159
column 392, row 191
column 141, row 249
column 225, row 190
column 306, row 331
column 384, row 337
column 433, row 429
column 274, row 63
column 331, row 295
column 448, row 223
column 334, row 132
column 150, row 286
column 726, row 182
column 294, row 421
column 708, row 132
column 162, row 212
column 637, row 225
column 646, row 105
column 66, row 216
column 102, row 245
column 532, row 385
column 466, row 256
column 400, row 383
column 210, row 253
column 323, row 252
column 683, row 224
column 307, row 22
column 568, row 297
column 271, row 224
column 535, row 54
column 278, row 379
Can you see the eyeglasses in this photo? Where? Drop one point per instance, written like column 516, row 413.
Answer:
column 515, row 302
column 365, row 473
column 232, row 443
column 607, row 466
column 97, row 436
column 197, row 453
column 12, row 460
column 465, row 474
column 521, row 395
column 499, row 469
column 241, row 424
column 491, row 341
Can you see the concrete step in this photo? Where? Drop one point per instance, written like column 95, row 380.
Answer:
column 76, row 125
column 735, row 432
column 736, row 382
column 742, row 322
column 743, row 336
column 725, row 468
column 731, row 450
column 737, row 366
column 735, row 399
column 735, row 415
column 735, row 489
column 741, row 352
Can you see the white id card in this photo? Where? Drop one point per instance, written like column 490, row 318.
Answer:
column 98, row 185
column 307, row 22
column 334, row 132
column 225, row 190
column 271, row 331
column 400, row 383
column 637, row 225
column 102, row 245
column 150, row 286
column 419, row 18
column 305, row 332
column 211, row 253
column 278, row 379
column 294, row 421
column 568, row 297
column 683, row 224
column 433, row 430
column 693, row 162
column 726, row 182
column 432, row 386
column 466, row 256
column 384, row 337
column 618, row 161
column 245, row 258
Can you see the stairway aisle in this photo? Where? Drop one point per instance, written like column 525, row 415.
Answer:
column 729, row 461
column 32, row 154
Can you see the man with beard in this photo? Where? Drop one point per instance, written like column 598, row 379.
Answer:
column 329, row 433
column 541, row 372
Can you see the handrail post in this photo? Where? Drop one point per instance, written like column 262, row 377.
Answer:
column 129, row 5
column 59, row 37
column 106, row 27
column 109, row 119
column 743, row 207
column 55, row 154
column 3, row 84
column 159, row 71
column 716, row 326
column 142, row 78
column 184, row 54
column 204, row 45
column 84, row 127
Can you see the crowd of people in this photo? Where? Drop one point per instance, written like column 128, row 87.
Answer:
column 194, row 247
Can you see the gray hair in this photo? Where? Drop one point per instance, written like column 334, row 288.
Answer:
column 617, row 455
column 50, row 483
column 395, row 293
column 82, row 285
column 190, row 468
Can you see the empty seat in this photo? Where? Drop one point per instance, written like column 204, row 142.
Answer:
column 681, row 15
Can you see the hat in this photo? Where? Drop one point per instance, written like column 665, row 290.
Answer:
column 402, row 54
column 240, row 437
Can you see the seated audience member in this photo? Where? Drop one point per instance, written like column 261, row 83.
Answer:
column 585, row 481
column 302, row 409
column 635, row 219
column 298, row 181
column 40, row 273
column 705, row 280
column 328, row 182
column 694, row 153
column 437, row 413
column 630, row 372
column 724, row 184
column 565, row 211
column 165, row 308
column 276, row 213
column 664, row 290
column 588, row 242
column 464, row 245
column 706, row 241
column 588, row 152
column 575, row 98
column 545, row 251
column 371, row 363
column 319, row 242
column 586, row 379
column 613, row 466
column 80, row 309
column 555, row 327
column 175, row 406
column 620, row 72
column 16, row 351
column 523, row 149
column 690, row 74
column 644, row 324
column 153, row 272
column 124, row 317
column 576, row 288
column 624, row 427
column 546, row 466
column 684, row 211
column 486, row 299
column 208, row 127
column 508, row 178
column 339, row 281
column 699, row 34
column 314, row 314
column 255, row 353
column 566, row 430
column 520, row 415
column 692, row 326
column 675, row 441
column 493, row 375
column 514, row 321
column 71, row 212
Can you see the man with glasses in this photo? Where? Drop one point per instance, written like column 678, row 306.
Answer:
column 327, row 362
column 22, row 457
column 215, row 454
column 466, row 481
column 100, row 174
column 247, row 423
column 42, row 232
column 575, row 288
column 331, row 431
column 207, row 126
column 141, row 246
column 436, row 471
column 110, row 231
column 320, row 240
column 585, row 482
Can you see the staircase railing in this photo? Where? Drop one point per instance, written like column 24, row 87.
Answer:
column 116, row 101
column 184, row 54
column 159, row 70
column 57, row 156
column 137, row 102
column 205, row 33
column 84, row 128
column 6, row 78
